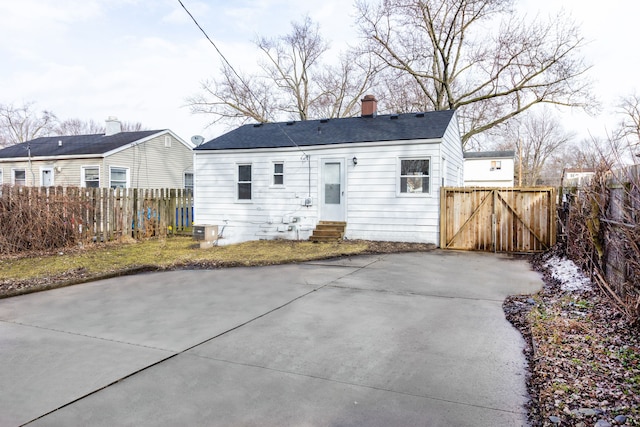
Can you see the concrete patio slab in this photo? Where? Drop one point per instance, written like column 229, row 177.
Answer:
column 400, row 339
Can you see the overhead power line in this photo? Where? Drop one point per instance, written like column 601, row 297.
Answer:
column 217, row 50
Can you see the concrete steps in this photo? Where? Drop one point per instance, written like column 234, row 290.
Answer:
column 328, row 231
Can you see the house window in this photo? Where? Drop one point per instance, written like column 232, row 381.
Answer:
column 119, row 178
column 244, row 182
column 496, row 165
column 278, row 173
column 414, row 176
column 19, row 177
column 1, row 177
column 90, row 177
column 188, row 180
column 167, row 141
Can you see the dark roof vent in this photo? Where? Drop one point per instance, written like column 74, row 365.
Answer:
column 257, row 125
column 324, row 120
column 394, row 117
column 291, row 123
column 420, row 115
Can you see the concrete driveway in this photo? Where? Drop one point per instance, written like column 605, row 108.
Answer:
column 404, row 339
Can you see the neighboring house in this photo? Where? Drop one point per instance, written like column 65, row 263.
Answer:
column 142, row 159
column 381, row 174
column 489, row 169
column 576, row 177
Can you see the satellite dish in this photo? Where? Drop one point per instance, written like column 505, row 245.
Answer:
column 197, row 140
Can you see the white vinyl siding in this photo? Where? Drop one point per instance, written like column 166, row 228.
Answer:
column 154, row 165
column 374, row 209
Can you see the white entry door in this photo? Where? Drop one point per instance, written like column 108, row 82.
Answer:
column 332, row 189
column 46, row 178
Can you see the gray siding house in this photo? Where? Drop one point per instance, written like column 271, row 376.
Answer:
column 142, row 159
column 381, row 174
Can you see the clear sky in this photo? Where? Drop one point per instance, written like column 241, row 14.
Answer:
column 139, row 60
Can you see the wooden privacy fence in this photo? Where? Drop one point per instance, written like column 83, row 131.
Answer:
column 498, row 219
column 103, row 214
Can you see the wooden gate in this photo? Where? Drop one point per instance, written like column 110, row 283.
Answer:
column 498, row 219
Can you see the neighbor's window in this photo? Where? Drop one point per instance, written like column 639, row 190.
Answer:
column 167, row 141
column 496, row 165
column 244, row 182
column 188, row 180
column 91, row 176
column 414, row 176
column 1, row 177
column 19, row 177
column 278, row 173
column 119, row 178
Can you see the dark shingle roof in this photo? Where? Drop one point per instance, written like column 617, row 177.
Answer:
column 493, row 154
column 74, row 145
column 431, row 125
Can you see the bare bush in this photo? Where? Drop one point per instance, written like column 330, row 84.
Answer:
column 603, row 235
column 37, row 221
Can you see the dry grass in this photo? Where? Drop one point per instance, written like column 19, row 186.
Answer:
column 21, row 274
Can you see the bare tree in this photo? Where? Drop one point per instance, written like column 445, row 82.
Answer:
column 23, row 123
column 537, row 139
column 91, row 127
column 476, row 56
column 79, row 127
column 294, row 83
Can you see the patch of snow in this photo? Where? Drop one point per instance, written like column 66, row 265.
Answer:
column 571, row 278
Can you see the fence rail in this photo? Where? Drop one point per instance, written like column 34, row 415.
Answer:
column 104, row 214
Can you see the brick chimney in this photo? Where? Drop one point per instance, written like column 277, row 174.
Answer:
column 369, row 106
column 113, row 126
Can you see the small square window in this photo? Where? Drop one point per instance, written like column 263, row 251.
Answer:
column 278, row 174
column 414, row 176
column 496, row 165
column 119, row 178
column 19, row 177
column 91, row 176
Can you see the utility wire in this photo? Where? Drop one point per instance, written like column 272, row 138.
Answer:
column 219, row 52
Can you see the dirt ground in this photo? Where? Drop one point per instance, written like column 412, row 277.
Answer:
column 584, row 357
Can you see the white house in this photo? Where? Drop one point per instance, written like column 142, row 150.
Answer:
column 489, row 169
column 576, row 177
column 141, row 159
column 381, row 174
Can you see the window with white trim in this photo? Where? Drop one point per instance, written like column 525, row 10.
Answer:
column 118, row 177
column 19, row 177
column 244, row 182
column 90, row 176
column 1, row 177
column 496, row 165
column 167, row 141
column 188, row 180
column 278, row 173
column 415, row 176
